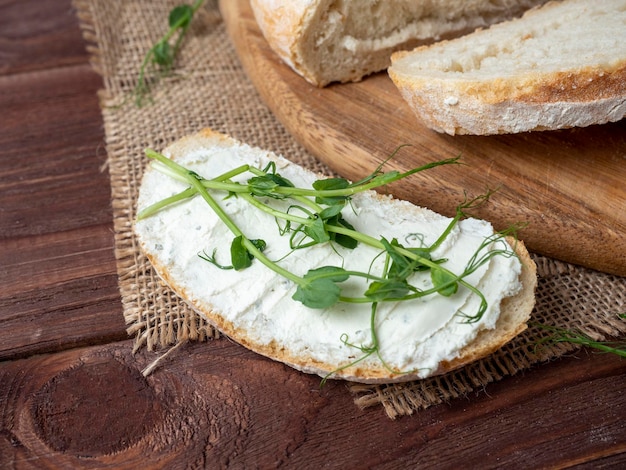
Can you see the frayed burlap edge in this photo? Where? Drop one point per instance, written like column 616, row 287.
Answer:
column 567, row 296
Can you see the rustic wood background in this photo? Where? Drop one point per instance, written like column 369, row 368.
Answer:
column 72, row 394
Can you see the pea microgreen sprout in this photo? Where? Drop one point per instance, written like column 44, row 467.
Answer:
column 313, row 217
column 162, row 54
column 574, row 336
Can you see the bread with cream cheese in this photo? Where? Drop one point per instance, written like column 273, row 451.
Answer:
column 254, row 306
column 561, row 65
column 328, row 41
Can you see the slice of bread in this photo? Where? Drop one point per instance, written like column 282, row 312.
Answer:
column 561, row 65
column 329, row 41
column 254, row 306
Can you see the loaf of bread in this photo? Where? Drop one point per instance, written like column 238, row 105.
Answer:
column 254, row 306
column 561, row 65
column 328, row 41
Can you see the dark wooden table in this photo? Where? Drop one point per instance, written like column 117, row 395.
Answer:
column 71, row 391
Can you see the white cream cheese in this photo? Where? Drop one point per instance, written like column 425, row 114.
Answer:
column 417, row 334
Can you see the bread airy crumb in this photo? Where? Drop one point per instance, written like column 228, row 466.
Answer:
column 329, row 41
column 562, row 65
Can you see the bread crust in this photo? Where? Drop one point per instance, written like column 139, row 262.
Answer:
column 293, row 29
column 283, row 25
column 515, row 310
column 533, row 100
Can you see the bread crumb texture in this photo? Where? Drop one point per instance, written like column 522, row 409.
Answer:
column 344, row 40
column 566, row 60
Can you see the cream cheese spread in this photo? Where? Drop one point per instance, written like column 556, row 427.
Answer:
column 416, row 334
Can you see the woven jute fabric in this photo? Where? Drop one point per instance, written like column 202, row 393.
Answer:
column 210, row 89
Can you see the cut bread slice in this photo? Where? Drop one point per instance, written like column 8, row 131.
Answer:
column 342, row 41
column 254, row 306
column 561, row 65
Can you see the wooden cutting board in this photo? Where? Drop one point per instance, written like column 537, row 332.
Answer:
column 567, row 186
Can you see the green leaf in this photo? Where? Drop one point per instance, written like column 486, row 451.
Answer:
column 162, row 54
column 320, row 289
column 262, row 185
column 445, row 283
column 341, row 239
column 331, row 211
column 266, row 185
column 402, row 266
column 411, row 266
column 387, row 289
column 425, row 254
column 317, row 231
column 329, row 184
column 240, row 257
column 400, row 263
column 319, row 293
column 270, row 170
column 334, row 273
column 259, row 244
column 180, row 16
column 282, row 181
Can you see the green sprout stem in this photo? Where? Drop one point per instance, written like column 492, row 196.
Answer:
column 180, row 173
column 198, row 187
column 160, row 53
column 220, row 184
column 564, row 335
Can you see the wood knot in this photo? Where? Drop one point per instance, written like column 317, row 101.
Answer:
column 94, row 408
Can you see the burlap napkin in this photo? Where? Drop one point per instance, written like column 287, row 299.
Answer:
column 210, row 89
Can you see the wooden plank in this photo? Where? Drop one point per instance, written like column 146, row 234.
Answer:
column 58, row 290
column 78, row 312
column 42, row 261
column 58, row 280
column 218, row 405
column 38, row 35
column 51, row 137
column 568, row 186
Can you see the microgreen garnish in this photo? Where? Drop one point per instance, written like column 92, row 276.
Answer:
column 160, row 58
column 320, row 289
column 314, row 216
column 213, row 260
column 575, row 336
column 240, row 252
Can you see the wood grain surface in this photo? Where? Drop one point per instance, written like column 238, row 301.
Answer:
column 92, row 408
column 72, row 392
column 56, row 254
column 567, row 186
